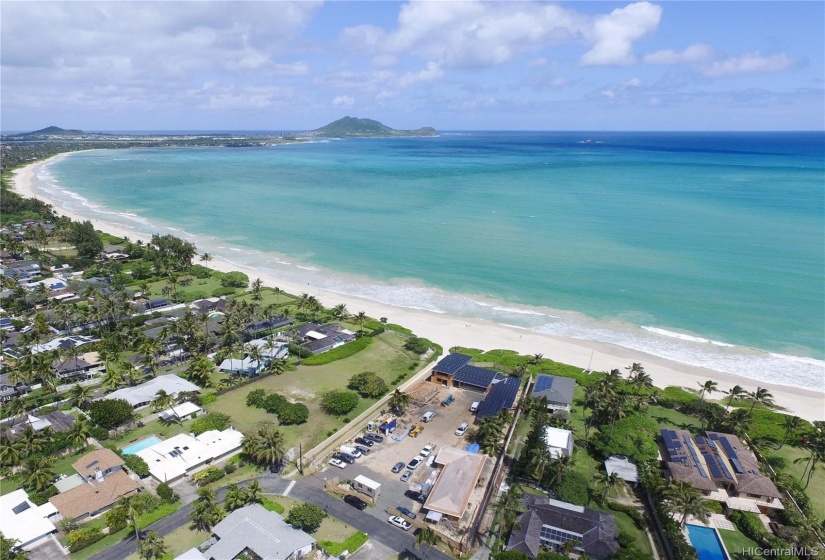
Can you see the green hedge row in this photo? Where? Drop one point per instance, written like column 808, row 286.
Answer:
column 80, row 539
column 353, row 543
column 345, row 351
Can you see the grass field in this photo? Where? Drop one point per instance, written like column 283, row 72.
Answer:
column 385, row 356
column 817, row 485
column 737, row 543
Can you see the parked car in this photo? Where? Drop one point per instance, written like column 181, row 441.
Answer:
column 275, row 468
column 398, row 467
column 338, row 463
column 474, row 406
column 406, row 476
column 412, row 465
column 462, row 429
column 344, row 457
column 356, row 502
column 416, row 496
column 374, row 437
column 427, row 450
column 349, row 450
column 363, row 441
column 362, row 449
column 399, row 522
column 406, row 512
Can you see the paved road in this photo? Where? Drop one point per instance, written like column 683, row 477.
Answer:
column 309, row 490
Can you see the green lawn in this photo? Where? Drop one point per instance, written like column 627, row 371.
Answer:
column 817, row 485
column 737, row 543
column 197, row 289
column 153, row 427
column 385, row 356
column 179, row 541
column 62, row 465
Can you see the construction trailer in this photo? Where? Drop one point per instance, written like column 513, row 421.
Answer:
column 366, row 486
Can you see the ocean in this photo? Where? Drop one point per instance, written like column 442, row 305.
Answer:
column 704, row 248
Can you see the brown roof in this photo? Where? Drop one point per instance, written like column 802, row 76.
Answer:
column 757, row 485
column 452, row 490
column 691, row 475
column 102, row 459
column 94, row 496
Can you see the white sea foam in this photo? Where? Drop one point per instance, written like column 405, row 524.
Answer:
column 683, row 336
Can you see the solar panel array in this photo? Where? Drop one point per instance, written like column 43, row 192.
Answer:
column 712, row 465
column 674, row 446
column 475, row 376
column 452, row 363
column 737, row 466
column 543, row 382
column 502, row 395
column 693, row 454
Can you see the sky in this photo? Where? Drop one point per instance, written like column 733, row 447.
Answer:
column 452, row 65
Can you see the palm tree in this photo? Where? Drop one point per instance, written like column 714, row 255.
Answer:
column 38, row 472
column 707, row 387
column 792, row 424
column 152, row 547
column 256, row 287
column 537, row 358
column 200, row 371
column 13, row 409
column 735, row 392
column 685, row 500
column 508, row 508
column 80, row 432
column 31, row 441
column 399, row 401
column 360, row 317
column 162, row 401
column 126, row 510
column 340, row 311
column 762, row 396
column 234, row 498
column 10, row 451
column 278, row 291
column 265, row 447
column 150, row 350
column 252, row 493
column 426, row 537
column 81, row 395
column 611, row 483
column 205, row 513
column 205, row 258
column 558, row 467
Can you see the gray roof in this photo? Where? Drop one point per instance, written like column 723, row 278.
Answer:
column 145, row 392
column 263, row 532
column 623, row 467
column 598, row 528
column 555, row 389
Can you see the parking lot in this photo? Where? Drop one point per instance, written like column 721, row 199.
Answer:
column 440, row 431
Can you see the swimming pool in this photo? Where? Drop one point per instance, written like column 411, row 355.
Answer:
column 706, row 542
column 140, row 445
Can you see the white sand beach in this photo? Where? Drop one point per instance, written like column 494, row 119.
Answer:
column 449, row 331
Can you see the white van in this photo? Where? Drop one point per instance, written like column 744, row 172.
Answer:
column 428, row 416
column 350, row 451
column 474, row 406
column 462, row 429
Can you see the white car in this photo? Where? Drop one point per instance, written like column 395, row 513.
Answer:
column 338, row 463
column 462, row 429
column 428, row 449
column 399, row 522
column 412, row 465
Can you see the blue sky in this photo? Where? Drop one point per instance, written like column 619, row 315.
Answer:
column 458, row 65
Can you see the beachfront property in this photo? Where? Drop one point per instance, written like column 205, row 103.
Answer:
column 501, row 395
column 622, row 467
column 459, row 476
column 253, row 532
column 24, row 521
column 321, row 338
column 454, row 370
column 102, row 480
column 143, row 394
column 267, row 324
column 184, row 454
column 551, row 524
column 559, row 442
column 557, row 390
column 209, row 305
column 721, row 467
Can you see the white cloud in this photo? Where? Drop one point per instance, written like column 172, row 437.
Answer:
column 295, row 69
column 475, row 34
column 613, row 34
column 427, row 75
column 344, row 101
column 698, row 52
column 749, row 63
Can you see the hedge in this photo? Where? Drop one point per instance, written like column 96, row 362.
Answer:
column 353, row 543
column 751, row 526
column 345, row 351
column 207, row 475
column 135, row 464
column 273, row 506
column 211, row 421
column 80, row 539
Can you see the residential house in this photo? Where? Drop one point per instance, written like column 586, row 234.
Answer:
column 183, row 454
column 104, row 482
column 460, row 472
column 322, row 338
column 10, row 392
column 455, row 370
column 87, row 366
column 143, row 394
column 559, row 442
column 501, row 395
column 622, row 467
column 268, row 324
column 721, row 467
column 24, row 521
column 557, row 390
column 551, row 524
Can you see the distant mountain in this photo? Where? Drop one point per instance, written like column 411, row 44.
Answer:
column 53, row 131
column 351, row 126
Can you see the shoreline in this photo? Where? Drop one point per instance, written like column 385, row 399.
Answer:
column 449, row 330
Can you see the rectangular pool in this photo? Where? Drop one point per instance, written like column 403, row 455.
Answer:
column 133, row 448
column 707, row 543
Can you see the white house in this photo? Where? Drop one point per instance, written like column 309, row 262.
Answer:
column 184, row 454
column 144, row 394
column 24, row 521
column 559, row 442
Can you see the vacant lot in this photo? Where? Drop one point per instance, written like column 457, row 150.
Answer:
column 385, row 356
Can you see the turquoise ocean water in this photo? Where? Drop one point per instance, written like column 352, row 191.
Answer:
column 705, row 248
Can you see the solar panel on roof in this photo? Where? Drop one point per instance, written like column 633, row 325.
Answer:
column 714, row 469
column 543, row 382
column 724, row 468
column 501, row 396
column 737, row 466
column 19, row 508
column 452, row 363
column 701, row 470
column 711, row 443
column 728, row 448
column 92, row 464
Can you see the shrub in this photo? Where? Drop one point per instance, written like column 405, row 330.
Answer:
column 209, row 398
column 632, row 436
column 256, row 398
column 110, row 413
column 167, row 494
column 344, row 351
column 353, row 543
column 207, row 475
column 218, row 292
column 80, row 539
column 417, row 345
column 573, row 489
column 229, row 468
column 136, row 465
column 296, row 350
column 210, row 421
column 368, row 384
column 292, row 414
column 676, row 397
column 307, row 517
column 274, row 402
column 40, row 498
column 631, row 512
column 235, row 279
column 339, row 402
column 198, row 271
column 100, row 434
column 751, row 526
column 272, row 506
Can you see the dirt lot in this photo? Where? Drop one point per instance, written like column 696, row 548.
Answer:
column 378, row 464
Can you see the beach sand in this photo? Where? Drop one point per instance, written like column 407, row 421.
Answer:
column 449, row 331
